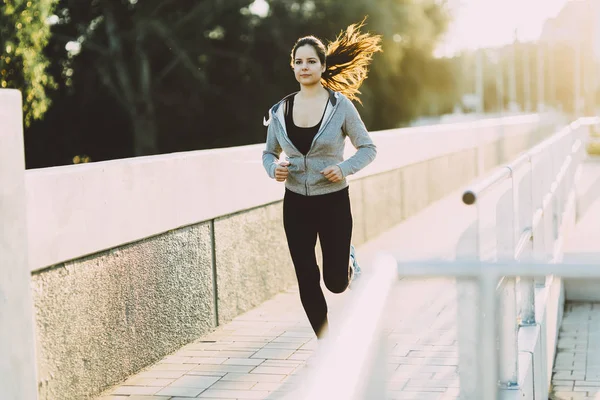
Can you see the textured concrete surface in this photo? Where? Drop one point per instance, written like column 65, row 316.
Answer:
column 382, row 202
column 463, row 169
column 253, row 262
column 440, row 177
column 357, row 195
column 416, row 188
column 446, row 174
column 17, row 339
column 516, row 144
column 102, row 318
column 492, row 155
column 508, row 147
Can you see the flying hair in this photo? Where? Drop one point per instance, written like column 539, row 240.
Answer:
column 346, row 59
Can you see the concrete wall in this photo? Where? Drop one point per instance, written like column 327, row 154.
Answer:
column 161, row 249
column 17, row 357
column 104, row 317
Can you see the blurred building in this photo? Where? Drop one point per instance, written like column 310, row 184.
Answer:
column 578, row 21
column 573, row 36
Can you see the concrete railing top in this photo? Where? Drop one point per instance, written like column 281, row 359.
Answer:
column 78, row 210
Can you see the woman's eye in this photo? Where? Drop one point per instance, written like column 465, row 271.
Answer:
column 312, row 61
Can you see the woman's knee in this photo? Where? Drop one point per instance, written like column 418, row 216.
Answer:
column 308, row 276
column 336, row 285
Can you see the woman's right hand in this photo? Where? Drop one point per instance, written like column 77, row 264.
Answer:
column 281, row 171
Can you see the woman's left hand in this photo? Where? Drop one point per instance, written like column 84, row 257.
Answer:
column 333, row 173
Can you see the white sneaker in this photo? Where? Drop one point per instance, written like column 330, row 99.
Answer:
column 355, row 270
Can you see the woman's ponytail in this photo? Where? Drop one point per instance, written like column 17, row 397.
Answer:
column 348, row 59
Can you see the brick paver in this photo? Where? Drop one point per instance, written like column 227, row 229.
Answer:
column 262, row 354
column 577, row 366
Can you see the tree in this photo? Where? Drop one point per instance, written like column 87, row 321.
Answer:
column 158, row 76
column 137, row 47
column 24, row 32
column 400, row 78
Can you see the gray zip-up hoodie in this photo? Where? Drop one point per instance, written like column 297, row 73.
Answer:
column 341, row 119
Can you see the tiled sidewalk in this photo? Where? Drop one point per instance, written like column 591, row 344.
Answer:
column 577, row 366
column 262, row 354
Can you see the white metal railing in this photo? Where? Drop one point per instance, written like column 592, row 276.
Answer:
column 523, row 211
column 522, row 208
column 486, row 275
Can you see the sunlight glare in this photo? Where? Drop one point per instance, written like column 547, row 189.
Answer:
column 259, row 8
column 482, row 23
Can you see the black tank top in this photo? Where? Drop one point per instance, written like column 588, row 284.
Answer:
column 301, row 137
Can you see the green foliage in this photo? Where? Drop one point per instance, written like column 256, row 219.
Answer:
column 405, row 80
column 23, row 35
column 157, row 76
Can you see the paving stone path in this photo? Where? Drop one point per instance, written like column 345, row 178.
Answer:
column 262, row 354
column 577, row 367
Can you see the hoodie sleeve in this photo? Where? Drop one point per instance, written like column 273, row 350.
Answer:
column 270, row 155
column 355, row 129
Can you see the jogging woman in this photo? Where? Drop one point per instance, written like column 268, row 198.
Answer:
column 310, row 126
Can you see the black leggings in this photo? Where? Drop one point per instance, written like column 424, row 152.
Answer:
column 330, row 217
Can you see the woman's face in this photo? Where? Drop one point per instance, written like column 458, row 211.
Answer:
column 307, row 66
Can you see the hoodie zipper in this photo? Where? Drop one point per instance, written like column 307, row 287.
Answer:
column 315, row 140
column 319, row 133
column 306, row 174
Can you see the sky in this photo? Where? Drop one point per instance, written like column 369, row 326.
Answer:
column 480, row 23
column 483, row 23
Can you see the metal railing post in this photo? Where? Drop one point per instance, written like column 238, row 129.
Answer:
column 539, row 224
column 527, row 284
column 509, row 349
column 487, row 324
column 548, row 208
column 468, row 329
column 507, row 240
column 527, row 307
